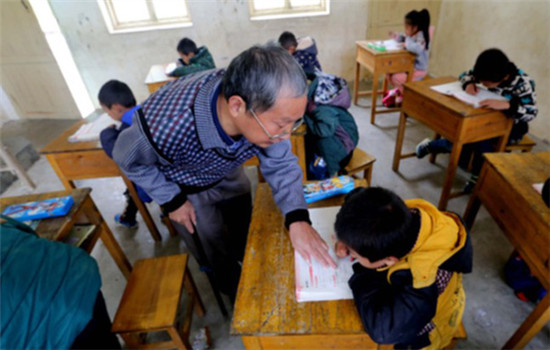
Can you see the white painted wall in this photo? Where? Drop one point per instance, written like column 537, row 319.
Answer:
column 518, row 27
column 222, row 25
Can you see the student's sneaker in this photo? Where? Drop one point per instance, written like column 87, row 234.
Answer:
column 469, row 187
column 123, row 221
column 389, row 99
column 422, row 149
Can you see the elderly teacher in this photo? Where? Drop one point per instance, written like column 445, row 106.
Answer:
column 189, row 139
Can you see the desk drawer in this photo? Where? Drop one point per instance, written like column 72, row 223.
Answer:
column 395, row 63
column 85, row 165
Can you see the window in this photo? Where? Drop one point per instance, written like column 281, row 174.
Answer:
column 138, row 15
column 272, row 9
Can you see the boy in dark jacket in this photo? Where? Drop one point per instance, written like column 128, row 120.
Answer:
column 304, row 50
column 410, row 256
column 192, row 59
column 118, row 101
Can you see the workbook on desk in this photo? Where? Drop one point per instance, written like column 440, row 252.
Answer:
column 90, row 131
column 385, row 45
column 315, row 282
column 455, row 89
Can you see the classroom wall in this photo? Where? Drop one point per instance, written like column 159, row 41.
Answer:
column 224, row 26
column 519, row 27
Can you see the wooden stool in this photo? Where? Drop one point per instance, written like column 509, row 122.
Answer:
column 360, row 161
column 151, row 302
column 524, row 145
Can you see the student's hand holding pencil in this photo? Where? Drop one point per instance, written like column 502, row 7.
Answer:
column 471, row 89
column 309, row 244
column 185, row 215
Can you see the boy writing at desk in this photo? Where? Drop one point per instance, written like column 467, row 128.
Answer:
column 493, row 70
column 118, row 101
column 407, row 282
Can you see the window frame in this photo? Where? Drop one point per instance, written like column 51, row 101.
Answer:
column 288, row 12
column 114, row 27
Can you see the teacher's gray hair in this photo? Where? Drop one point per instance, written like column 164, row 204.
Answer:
column 259, row 74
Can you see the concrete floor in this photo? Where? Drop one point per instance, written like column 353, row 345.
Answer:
column 492, row 313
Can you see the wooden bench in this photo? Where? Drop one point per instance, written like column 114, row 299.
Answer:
column 524, row 145
column 360, row 161
column 151, row 303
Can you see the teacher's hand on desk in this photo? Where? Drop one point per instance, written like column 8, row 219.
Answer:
column 309, row 244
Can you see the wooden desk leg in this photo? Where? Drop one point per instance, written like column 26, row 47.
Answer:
column 107, row 237
column 501, row 144
column 451, row 171
column 356, row 86
column 531, row 326
column 69, row 185
column 399, row 141
column 180, row 341
column 433, row 155
column 368, row 175
column 474, row 203
column 385, row 85
column 471, row 211
column 374, row 96
column 143, row 210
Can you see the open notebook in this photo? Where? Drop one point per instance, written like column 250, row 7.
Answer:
column 315, row 282
column 90, row 131
column 455, row 89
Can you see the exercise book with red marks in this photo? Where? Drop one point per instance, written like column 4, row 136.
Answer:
column 315, row 282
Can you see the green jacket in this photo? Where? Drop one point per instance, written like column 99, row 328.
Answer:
column 327, row 126
column 201, row 61
column 48, row 290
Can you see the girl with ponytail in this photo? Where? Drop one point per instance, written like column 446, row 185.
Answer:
column 416, row 39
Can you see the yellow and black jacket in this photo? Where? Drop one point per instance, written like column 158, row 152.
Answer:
column 418, row 302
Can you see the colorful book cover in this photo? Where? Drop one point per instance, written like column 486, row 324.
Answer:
column 328, row 188
column 40, row 209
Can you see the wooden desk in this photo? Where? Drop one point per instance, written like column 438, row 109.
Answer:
column 156, row 77
column 380, row 63
column 266, row 313
column 298, row 144
column 505, row 188
column 87, row 160
column 452, row 119
column 83, row 211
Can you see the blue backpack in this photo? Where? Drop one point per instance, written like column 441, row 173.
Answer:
column 519, row 277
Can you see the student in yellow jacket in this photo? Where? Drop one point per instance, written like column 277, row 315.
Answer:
column 407, row 282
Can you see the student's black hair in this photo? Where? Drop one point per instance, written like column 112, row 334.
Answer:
column 421, row 19
column 492, row 65
column 115, row 91
column 187, row 46
column 377, row 224
column 287, row 39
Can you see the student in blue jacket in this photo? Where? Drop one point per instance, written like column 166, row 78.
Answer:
column 118, row 101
